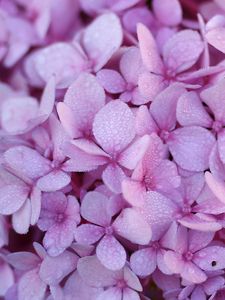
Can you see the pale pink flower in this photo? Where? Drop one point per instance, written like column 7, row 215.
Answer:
column 59, row 218
column 99, row 210
column 153, row 173
column 40, row 271
column 94, row 47
column 118, row 284
column 114, row 131
column 6, row 275
column 126, row 83
column 191, row 255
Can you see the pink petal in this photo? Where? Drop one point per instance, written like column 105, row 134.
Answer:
column 101, row 46
column 199, row 240
column 169, row 239
column 27, row 161
column 191, row 147
column 209, row 204
column 17, row 112
column 195, row 222
column 85, row 97
column 7, row 281
column 182, row 50
column 131, row 225
column 163, row 108
column 89, row 147
column 144, row 121
column 213, row 98
column 12, row 198
column 81, row 160
column 130, row 157
column 31, row 286
column 94, row 208
column 35, row 199
column 137, row 15
column 216, row 185
column 158, row 211
column 213, row 284
column 112, row 293
column 54, row 269
column 111, row 253
column 113, row 126
column 137, row 98
column 67, row 120
column 150, row 85
column 131, row 279
column 221, row 145
column 174, row 261
column 53, row 202
column 133, row 192
column 59, row 59
column 112, row 176
column 143, row 262
column 192, row 273
column 190, row 111
column 53, row 181
column 215, row 37
column 24, row 261
column 131, row 65
column 170, row 13
column 129, row 294
column 88, row 234
column 112, row 81
column 211, row 258
column 94, row 273
column 149, row 52
column 215, row 164
column 161, row 262
column 59, row 237
column 47, row 99
column 76, row 288
column 4, row 238
column 21, row 219
column 165, row 176
column 58, row 138
column 198, row 294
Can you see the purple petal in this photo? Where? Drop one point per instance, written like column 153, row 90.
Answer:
column 112, row 81
column 186, row 42
column 170, row 13
column 114, row 126
column 101, row 46
column 94, row 209
column 88, row 234
column 143, row 262
column 191, row 147
column 111, row 253
column 211, row 258
column 131, row 225
column 12, row 198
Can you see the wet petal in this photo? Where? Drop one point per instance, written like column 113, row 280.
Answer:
column 102, row 39
column 111, row 253
column 114, row 126
column 191, row 147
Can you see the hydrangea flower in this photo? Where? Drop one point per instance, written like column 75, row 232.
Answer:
column 98, row 210
column 112, row 166
column 119, row 284
column 114, row 131
column 59, row 217
column 40, row 271
column 191, row 255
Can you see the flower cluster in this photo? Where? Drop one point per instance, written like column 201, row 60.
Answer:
column 112, row 150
